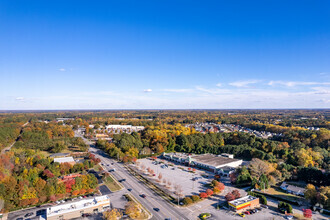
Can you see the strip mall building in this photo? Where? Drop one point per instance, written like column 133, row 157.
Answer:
column 77, row 209
column 244, row 203
column 210, row 162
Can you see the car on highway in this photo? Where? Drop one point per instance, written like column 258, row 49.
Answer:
column 129, row 190
column 20, row 219
column 143, row 196
column 122, row 180
column 28, row 214
column 156, row 209
column 111, row 170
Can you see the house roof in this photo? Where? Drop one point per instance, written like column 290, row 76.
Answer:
column 292, row 188
column 295, row 189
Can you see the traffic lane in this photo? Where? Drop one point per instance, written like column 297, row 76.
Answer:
column 120, row 174
column 164, row 207
column 132, row 183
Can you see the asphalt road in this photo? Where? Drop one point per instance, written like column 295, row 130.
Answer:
column 152, row 200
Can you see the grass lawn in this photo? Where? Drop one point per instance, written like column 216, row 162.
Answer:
column 111, row 184
column 284, row 195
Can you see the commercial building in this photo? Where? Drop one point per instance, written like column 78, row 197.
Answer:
column 77, row 209
column 210, row 162
column 69, row 160
column 123, row 128
column 244, row 203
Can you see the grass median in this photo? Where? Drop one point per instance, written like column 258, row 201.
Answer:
column 112, row 183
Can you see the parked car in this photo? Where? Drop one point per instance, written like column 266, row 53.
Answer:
column 242, row 215
column 28, row 214
column 86, row 215
column 246, row 212
column 264, row 206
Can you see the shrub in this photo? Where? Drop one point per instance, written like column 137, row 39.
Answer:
column 282, row 206
column 187, row 201
column 195, row 198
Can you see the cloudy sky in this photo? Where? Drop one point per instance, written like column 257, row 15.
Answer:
column 164, row 54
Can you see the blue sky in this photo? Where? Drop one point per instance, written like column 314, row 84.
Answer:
column 164, row 54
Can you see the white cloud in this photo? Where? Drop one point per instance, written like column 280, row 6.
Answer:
column 296, row 83
column 19, row 98
column 62, row 69
column 219, row 85
column 147, row 90
column 178, row 90
column 243, row 84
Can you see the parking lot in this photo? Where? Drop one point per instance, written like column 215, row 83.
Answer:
column 177, row 175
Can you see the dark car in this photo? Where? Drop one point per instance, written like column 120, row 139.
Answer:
column 156, row 209
column 122, row 180
column 28, row 214
column 129, row 189
column 143, row 196
column 20, row 219
column 86, row 215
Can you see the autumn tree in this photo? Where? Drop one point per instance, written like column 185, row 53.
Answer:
column 203, row 195
column 209, row 192
column 160, row 176
column 230, row 197
column 132, row 210
column 113, row 214
column 310, row 193
column 236, row 194
column 258, row 167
